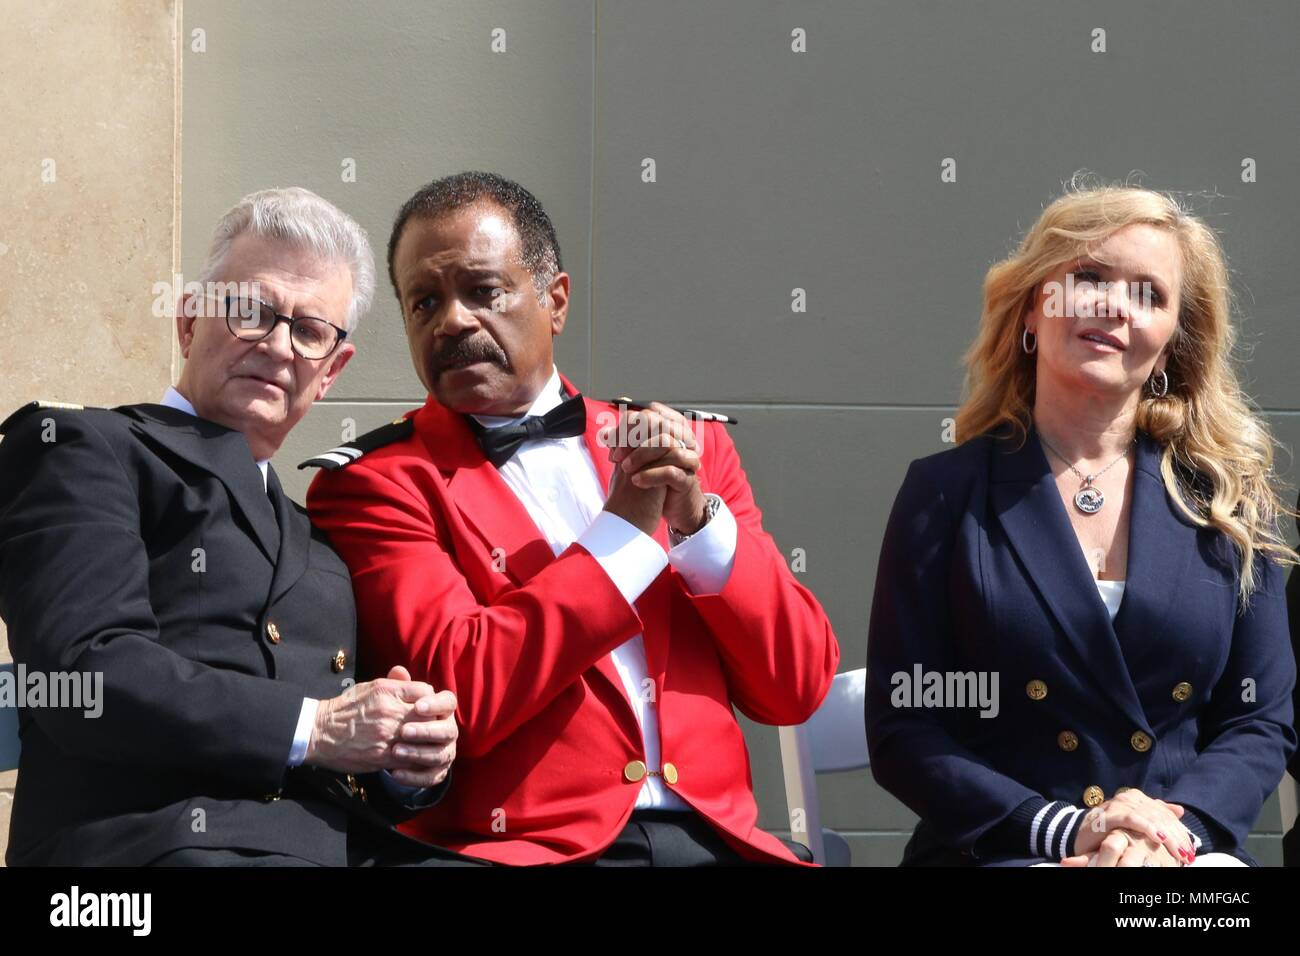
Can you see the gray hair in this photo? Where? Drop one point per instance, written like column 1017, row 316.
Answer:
column 304, row 220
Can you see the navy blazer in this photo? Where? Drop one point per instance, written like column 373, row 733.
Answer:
column 980, row 571
column 204, row 666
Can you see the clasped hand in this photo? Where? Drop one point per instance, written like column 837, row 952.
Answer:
column 1132, row 829
column 394, row 724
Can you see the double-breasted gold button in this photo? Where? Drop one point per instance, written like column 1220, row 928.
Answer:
column 1067, row 740
column 1140, row 742
column 1182, row 691
column 634, row 771
column 272, row 632
column 670, row 773
column 1093, row 796
column 339, row 661
column 1036, row 690
column 356, row 788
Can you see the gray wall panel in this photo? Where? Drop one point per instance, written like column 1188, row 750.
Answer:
column 775, row 170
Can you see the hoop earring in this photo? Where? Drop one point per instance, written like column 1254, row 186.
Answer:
column 1163, row 390
column 1024, row 341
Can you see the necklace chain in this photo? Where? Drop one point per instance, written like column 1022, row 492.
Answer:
column 1087, row 479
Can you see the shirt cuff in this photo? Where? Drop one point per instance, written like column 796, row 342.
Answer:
column 1206, row 837
column 631, row 558
column 412, row 797
column 705, row 558
column 302, row 733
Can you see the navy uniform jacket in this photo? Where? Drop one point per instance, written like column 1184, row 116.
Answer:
column 139, row 543
column 980, row 571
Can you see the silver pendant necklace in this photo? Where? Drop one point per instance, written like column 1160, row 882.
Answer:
column 1088, row 499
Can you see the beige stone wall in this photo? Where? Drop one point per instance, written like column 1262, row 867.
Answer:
column 90, row 187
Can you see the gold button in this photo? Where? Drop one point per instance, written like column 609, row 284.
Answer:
column 1092, row 796
column 339, row 661
column 634, row 771
column 1067, row 740
column 273, row 632
column 670, row 773
column 1182, row 691
column 1140, row 741
column 1036, row 690
column 271, row 797
column 356, row 789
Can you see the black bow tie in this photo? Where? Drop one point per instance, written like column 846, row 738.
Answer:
column 565, row 420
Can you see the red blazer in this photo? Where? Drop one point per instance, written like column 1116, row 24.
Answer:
column 454, row 581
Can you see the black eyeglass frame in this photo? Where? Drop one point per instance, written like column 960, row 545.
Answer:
column 236, row 314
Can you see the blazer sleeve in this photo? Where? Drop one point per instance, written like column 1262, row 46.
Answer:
column 1246, row 733
column 505, row 660
column 75, row 593
column 397, row 803
column 772, row 635
column 913, row 753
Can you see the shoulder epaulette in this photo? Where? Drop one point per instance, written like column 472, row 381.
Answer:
column 30, row 407
column 344, row 455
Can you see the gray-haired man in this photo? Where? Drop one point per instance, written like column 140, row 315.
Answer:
column 153, row 547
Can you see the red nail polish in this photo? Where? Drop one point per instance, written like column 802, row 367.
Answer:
column 1161, row 835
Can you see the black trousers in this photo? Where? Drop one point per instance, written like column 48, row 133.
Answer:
column 650, row 838
column 367, row 846
column 676, row 838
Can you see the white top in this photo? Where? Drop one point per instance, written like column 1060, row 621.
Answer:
column 556, row 481
column 1112, row 592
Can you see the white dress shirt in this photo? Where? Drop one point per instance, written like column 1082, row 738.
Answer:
column 1112, row 593
column 556, row 481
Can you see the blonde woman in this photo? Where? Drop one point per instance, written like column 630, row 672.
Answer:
column 1102, row 550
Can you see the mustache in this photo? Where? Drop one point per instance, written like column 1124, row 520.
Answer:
column 475, row 348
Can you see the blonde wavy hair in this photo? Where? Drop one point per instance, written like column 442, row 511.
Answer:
column 1204, row 424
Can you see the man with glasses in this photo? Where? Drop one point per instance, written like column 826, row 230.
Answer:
column 152, row 548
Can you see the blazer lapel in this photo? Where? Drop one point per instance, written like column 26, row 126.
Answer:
column 1030, row 510
column 1161, row 543
column 220, row 451
column 295, row 538
column 483, row 499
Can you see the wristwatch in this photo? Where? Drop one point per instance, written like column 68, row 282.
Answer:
column 711, row 505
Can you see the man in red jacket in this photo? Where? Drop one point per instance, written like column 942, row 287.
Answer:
column 593, row 583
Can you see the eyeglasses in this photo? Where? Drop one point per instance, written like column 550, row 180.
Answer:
column 252, row 320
